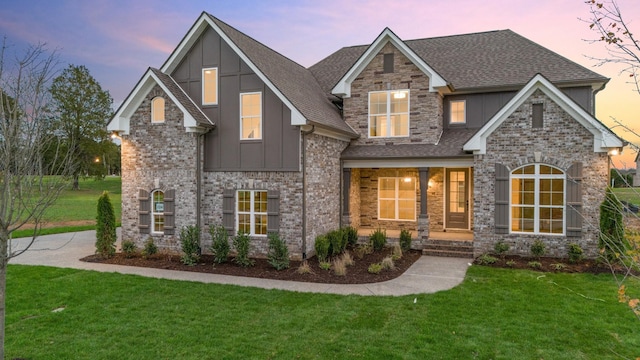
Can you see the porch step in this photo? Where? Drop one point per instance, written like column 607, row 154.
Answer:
column 448, row 248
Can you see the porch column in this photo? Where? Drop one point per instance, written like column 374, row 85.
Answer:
column 346, row 189
column 423, row 218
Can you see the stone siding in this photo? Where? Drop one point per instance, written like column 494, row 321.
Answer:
column 425, row 108
column 561, row 142
column 435, row 199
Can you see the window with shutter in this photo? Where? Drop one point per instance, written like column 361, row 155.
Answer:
column 574, row 200
column 501, row 213
column 144, row 217
column 169, row 212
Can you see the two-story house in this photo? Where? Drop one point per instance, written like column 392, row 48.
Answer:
column 485, row 136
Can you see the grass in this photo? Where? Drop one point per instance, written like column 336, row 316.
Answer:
column 494, row 314
column 79, row 206
column 631, row 195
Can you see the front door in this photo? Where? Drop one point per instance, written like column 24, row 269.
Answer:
column 457, row 199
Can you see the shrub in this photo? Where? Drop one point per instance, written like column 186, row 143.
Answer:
column 241, row 243
column 325, row 265
column 486, row 259
column 278, row 253
column 538, row 248
column 347, row 258
column 339, row 267
column 396, row 252
column 190, row 243
column 558, row 266
column 105, row 227
column 510, row 263
column 387, row 263
column 150, row 248
column 129, row 248
column 575, row 253
column 611, row 240
column 360, row 251
column 405, row 240
column 378, row 239
column 304, row 268
column 375, row 268
column 337, row 241
column 500, row 248
column 322, row 248
column 351, row 234
column 220, row 243
column 535, row 264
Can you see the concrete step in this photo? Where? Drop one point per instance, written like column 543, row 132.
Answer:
column 448, row 248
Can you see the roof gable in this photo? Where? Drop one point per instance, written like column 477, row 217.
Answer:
column 194, row 120
column 343, row 87
column 603, row 138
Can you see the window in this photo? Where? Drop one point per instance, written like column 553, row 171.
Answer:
column 251, row 116
column 458, row 114
column 252, row 212
column 537, row 200
column 157, row 211
column 389, row 113
column 537, row 120
column 210, row 86
column 387, row 63
column 397, row 198
column 157, row 110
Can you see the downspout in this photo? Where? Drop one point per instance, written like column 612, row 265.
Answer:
column 304, row 189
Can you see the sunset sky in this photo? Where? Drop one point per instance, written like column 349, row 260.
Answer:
column 118, row 40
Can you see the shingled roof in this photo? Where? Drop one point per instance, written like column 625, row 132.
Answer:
column 487, row 60
column 293, row 80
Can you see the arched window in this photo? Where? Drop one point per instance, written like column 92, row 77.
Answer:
column 157, row 211
column 538, row 200
column 157, row 110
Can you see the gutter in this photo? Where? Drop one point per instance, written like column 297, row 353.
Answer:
column 304, row 189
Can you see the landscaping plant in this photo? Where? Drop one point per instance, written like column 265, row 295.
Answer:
column 190, row 242
column 378, row 239
column 337, row 241
column 351, row 234
column 611, row 240
column 129, row 248
column 220, row 243
column 150, row 248
column 500, row 248
column 405, row 240
column 278, row 253
column 538, row 248
column 575, row 253
column 105, row 227
column 322, row 247
column 241, row 243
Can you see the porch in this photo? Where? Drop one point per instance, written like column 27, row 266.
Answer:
column 457, row 243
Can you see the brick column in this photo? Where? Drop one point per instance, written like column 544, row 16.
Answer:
column 423, row 218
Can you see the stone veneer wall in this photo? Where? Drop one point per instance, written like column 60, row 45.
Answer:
column 435, row 199
column 158, row 156
column 425, row 108
column 323, row 178
column 354, row 199
column 561, row 142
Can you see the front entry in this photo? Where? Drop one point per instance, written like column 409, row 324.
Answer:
column 457, row 199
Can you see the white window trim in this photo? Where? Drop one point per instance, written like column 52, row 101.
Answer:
column 261, row 116
column 154, row 213
column 464, row 112
column 164, row 102
column 388, row 114
column 252, row 213
column 217, row 86
column 396, row 198
column 536, row 208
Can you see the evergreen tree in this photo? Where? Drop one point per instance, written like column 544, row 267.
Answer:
column 105, row 227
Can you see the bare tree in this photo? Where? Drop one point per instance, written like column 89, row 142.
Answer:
column 27, row 187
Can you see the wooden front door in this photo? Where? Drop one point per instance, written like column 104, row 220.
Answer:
column 457, row 199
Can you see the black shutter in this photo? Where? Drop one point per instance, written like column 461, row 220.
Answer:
column 169, row 212
column 144, row 208
column 574, row 200
column 273, row 211
column 501, row 213
column 228, row 210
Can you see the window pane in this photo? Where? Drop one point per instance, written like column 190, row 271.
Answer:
column 387, row 209
column 210, row 86
column 399, row 125
column 261, row 225
column 251, row 116
column 378, row 125
column 457, row 112
column 260, row 201
column 244, row 223
column 378, row 103
column 400, row 102
column 406, row 210
column 158, row 223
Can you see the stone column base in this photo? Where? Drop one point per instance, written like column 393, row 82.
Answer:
column 423, row 233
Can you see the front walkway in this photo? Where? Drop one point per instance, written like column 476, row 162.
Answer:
column 427, row 275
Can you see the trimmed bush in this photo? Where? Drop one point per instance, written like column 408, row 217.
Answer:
column 375, row 268
column 150, row 248
column 105, row 227
column 322, row 248
column 190, row 242
column 611, row 226
column 325, row 265
column 486, row 259
column 129, row 248
column 337, row 241
column 278, row 254
column 242, row 243
column 405, row 240
column 220, row 245
column 575, row 253
column 538, row 248
column 500, row 248
column 352, row 235
column 378, row 239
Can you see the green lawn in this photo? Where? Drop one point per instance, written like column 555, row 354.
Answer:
column 631, row 195
column 494, row 314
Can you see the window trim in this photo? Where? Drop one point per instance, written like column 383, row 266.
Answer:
column 396, row 198
column 388, row 114
column 153, row 110
column 242, row 117
column 217, row 86
column 536, row 206
column 252, row 213
column 464, row 112
column 153, row 213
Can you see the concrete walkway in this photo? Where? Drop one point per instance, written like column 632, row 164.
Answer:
column 427, row 275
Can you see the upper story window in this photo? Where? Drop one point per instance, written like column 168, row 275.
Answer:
column 157, row 110
column 210, row 86
column 397, row 198
column 157, row 211
column 537, row 115
column 538, row 200
column 251, row 116
column 458, row 112
column 252, row 212
column 389, row 113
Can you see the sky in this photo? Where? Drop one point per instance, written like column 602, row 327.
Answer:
column 117, row 40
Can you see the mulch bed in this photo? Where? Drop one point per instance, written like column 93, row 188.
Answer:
column 551, row 265
column 356, row 273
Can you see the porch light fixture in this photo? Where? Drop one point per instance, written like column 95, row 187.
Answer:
column 615, row 152
column 430, row 183
column 114, row 135
column 399, row 95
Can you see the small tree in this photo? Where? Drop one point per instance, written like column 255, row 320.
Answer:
column 105, row 227
column 612, row 240
column 278, row 255
column 220, row 244
column 190, row 241
column 241, row 243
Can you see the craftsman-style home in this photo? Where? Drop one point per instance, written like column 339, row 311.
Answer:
column 471, row 139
